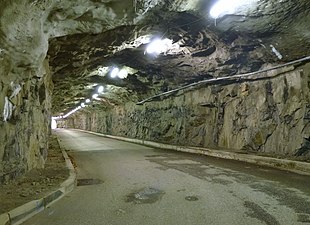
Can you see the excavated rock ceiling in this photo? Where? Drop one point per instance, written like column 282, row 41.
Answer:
column 88, row 36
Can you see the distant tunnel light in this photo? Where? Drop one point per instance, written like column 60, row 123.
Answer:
column 158, row 46
column 100, row 89
column 71, row 112
column 53, row 124
column 114, row 72
column 224, row 7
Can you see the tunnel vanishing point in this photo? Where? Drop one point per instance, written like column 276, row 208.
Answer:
column 205, row 73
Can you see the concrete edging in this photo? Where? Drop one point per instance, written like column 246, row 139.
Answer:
column 282, row 164
column 26, row 211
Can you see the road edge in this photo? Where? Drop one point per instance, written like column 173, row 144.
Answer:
column 28, row 210
column 302, row 168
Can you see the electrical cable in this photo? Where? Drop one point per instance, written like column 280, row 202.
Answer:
column 239, row 76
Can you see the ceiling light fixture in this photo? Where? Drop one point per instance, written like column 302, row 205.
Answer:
column 100, row 89
column 71, row 112
column 224, row 7
column 114, row 72
column 158, row 46
column 122, row 74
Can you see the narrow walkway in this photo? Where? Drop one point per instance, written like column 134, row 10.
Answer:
column 127, row 184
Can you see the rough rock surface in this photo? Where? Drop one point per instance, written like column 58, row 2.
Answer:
column 69, row 41
column 268, row 116
column 25, row 122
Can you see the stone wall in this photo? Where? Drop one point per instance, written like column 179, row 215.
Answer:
column 269, row 116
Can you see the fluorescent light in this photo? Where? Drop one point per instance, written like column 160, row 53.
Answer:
column 114, row 72
column 224, row 7
column 100, row 89
column 158, row 46
column 53, row 124
column 122, row 74
column 71, row 112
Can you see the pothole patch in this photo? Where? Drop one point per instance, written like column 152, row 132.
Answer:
column 84, row 182
column 191, row 198
column 145, row 196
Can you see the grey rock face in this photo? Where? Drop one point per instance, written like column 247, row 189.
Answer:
column 265, row 116
column 24, row 133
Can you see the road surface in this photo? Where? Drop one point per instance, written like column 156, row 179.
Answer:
column 127, row 184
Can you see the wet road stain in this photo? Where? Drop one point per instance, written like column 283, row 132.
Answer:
column 257, row 212
column 208, row 168
column 181, row 190
column 191, row 166
column 84, row 182
column 304, row 218
column 191, row 198
column 276, row 184
column 221, row 181
column 285, row 197
column 146, row 195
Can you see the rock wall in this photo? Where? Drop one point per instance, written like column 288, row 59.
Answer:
column 25, row 87
column 269, row 116
column 24, row 119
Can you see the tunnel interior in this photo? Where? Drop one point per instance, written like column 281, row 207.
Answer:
column 204, row 73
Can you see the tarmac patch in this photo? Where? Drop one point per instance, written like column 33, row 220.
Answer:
column 84, row 182
column 145, row 196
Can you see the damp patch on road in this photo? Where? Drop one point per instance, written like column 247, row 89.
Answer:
column 255, row 211
column 85, row 182
column 183, row 161
column 146, row 195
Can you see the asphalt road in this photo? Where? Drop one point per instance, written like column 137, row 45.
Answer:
column 138, row 185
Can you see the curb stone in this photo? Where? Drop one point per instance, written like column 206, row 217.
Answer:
column 26, row 211
column 4, row 219
column 282, row 164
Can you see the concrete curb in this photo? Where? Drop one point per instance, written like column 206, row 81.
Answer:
column 26, row 211
column 282, row 164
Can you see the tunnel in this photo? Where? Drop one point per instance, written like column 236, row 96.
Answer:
column 223, row 78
